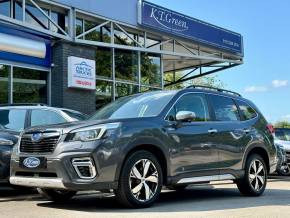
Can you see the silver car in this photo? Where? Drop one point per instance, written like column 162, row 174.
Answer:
column 282, row 142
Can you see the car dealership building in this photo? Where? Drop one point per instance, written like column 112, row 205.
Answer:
column 83, row 54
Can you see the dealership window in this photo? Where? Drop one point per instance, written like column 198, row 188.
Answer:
column 151, row 69
column 5, row 7
column 17, row 9
column 79, row 27
column 101, row 34
column 34, row 16
column 103, row 93
column 104, row 62
column 147, row 89
column 4, row 83
column 61, row 20
column 125, row 89
column 126, row 65
column 123, row 39
column 29, row 86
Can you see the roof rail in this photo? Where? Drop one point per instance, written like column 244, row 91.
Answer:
column 214, row 89
column 23, row 104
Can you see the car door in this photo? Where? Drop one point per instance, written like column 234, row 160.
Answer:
column 231, row 135
column 39, row 117
column 192, row 151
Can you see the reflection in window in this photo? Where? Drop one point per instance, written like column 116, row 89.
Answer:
column 45, row 117
column 4, row 83
column 125, row 89
column 150, row 69
column 123, row 39
column 36, row 17
column 13, row 119
column 126, row 65
column 103, row 93
column 29, row 86
column 101, row 34
column 61, row 20
column 17, row 8
column 147, row 89
column 79, row 27
column 104, row 62
column 5, row 8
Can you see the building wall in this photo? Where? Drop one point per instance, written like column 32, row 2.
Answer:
column 61, row 95
column 121, row 10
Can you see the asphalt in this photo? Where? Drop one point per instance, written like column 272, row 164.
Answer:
column 213, row 200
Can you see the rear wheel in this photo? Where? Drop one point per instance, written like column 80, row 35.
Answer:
column 56, row 195
column 140, row 181
column 255, row 179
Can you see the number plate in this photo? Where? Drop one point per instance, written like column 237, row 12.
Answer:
column 33, row 162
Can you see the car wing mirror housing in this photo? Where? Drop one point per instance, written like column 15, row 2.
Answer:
column 6, row 142
column 185, row 116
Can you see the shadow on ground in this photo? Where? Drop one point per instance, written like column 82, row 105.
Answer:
column 8, row 193
column 201, row 198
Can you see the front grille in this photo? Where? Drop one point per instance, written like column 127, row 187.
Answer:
column 46, row 144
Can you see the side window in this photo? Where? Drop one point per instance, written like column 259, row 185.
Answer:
column 224, row 108
column 13, row 119
column 246, row 110
column 45, row 117
column 191, row 102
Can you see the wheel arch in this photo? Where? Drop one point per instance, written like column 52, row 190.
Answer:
column 260, row 151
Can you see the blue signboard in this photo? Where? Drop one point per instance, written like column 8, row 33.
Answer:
column 162, row 19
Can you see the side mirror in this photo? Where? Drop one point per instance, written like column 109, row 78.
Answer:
column 6, row 142
column 185, row 116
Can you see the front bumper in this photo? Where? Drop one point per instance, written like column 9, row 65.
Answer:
column 37, row 182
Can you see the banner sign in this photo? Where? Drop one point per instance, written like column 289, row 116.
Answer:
column 162, row 19
column 81, row 73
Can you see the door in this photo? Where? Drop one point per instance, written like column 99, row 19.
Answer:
column 231, row 135
column 192, row 149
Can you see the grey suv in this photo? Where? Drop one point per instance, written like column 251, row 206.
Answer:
column 142, row 142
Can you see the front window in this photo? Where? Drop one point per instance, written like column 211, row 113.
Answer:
column 141, row 105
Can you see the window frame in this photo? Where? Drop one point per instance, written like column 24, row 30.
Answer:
column 187, row 93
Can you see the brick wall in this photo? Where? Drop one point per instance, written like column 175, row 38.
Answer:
column 61, row 95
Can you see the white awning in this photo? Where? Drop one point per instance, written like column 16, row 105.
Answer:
column 22, row 46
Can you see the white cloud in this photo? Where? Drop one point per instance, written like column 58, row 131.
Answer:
column 287, row 117
column 279, row 83
column 250, row 89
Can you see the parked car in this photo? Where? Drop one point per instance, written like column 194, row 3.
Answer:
column 139, row 143
column 282, row 141
column 15, row 118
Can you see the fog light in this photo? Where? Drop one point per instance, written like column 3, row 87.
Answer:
column 84, row 167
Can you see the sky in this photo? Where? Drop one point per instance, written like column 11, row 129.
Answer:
column 264, row 77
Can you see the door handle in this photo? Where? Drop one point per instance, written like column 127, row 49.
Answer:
column 212, row 131
column 246, row 131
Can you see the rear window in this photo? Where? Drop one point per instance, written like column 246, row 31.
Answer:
column 224, row 108
column 247, row 111
column 13, row 119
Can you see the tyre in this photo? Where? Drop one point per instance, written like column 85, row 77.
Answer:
column 140, row 181
column 284, row 170
column 56, row 195
column 255, row 179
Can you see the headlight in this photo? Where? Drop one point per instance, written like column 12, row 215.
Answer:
column 91, row 133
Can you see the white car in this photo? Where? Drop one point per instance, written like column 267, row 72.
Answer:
column 282, row 142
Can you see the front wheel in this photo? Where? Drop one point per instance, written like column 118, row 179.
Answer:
column 255, row 179
column 56, row 195
column 140, row 181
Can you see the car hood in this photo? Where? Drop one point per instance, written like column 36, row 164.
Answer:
column 67, row 127
column 285, row 144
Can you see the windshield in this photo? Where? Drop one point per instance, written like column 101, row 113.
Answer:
column 75, row 115
column 149, row 104
column 283, row 134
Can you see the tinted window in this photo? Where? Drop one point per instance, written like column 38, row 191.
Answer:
column 191, row 102
column 246, row 110
column 45, row 117
column 283, row 134
column 13, row 119
column 75, row 115
column 224, row 108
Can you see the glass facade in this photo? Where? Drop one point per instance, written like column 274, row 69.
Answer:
column 29, row 85
column 104, row 62
column 104, row 93
column 123, row 89
column 151, row 69
column 4, row 84
column 126, row 65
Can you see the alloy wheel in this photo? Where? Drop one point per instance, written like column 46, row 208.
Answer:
column 257, row 175
column 143, row 180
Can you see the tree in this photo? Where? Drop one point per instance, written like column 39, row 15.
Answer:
column 282, row 124
column 210, row 81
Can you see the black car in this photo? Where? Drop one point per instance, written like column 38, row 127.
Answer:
column 142, row 142
column 15, row 118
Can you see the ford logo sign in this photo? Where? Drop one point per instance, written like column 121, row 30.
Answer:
column 31, row 162
column 36, row 137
